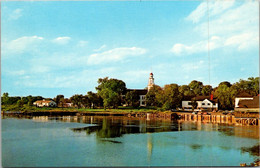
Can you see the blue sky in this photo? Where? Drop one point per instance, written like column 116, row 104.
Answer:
column 50, row 48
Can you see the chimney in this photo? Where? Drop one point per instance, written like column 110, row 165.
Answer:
column 211, row 96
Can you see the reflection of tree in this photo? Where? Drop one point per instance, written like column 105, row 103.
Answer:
column 227, row 131
column 254, row 150
column 109, row 129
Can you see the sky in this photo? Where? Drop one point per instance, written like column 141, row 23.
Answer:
column 63, row 47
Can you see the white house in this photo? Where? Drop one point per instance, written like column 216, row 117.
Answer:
column 45, row 103
column 242, row 96
column 203, row 103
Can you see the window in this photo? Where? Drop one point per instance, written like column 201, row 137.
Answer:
column 189, row 103
column 208, row 103
column 203, row 103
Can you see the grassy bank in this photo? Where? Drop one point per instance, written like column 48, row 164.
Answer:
column 26, row 108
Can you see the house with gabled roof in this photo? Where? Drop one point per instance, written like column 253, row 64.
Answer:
column 242, row 96
column 208, row 103
column 248, row 105
column 45, row 103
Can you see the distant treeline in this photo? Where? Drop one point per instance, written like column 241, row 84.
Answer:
column 110, row 95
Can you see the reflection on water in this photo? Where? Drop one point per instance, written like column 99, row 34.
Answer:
column 122, row 141
column 116, row 126
column 111, row 128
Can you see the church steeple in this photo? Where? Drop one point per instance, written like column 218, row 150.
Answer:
column 151, row 81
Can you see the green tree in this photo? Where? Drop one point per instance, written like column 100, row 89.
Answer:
column 196, row 87
column 5, row 98
column 185, row 90
column 20, row 103
column 194, row 104
column 111, row 91
column 206, row 90
column 151, row 95
column 94, row 99
column 59, row 99
column 77, row 100
column 172, row 96
column 223, row 93
column 132, row 98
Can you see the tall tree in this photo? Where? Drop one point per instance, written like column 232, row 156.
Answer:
column 94, row 99
column 132, row 98
column 223, row 93
column 185, row 90
column 111, row 91
column 77, row 100
column 59, row 99
column 151, row 95
column 196, row 87
column 172, row 96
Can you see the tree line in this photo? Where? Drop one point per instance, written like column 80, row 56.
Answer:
column 112, row 93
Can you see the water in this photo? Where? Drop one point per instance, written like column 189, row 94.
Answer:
column 120, row 141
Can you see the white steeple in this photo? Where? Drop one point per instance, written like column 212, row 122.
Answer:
column 151, row 81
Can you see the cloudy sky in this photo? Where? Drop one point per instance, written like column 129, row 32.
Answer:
column 50, row 48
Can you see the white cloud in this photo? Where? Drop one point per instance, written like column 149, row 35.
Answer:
column 215, row 7
column 115, row 55
column 22, row 44
column 233, row 21
column 242, row 41
column 16, row 73
column 201, row 46
column 230, row 25
column 16, row 14
column 61, row 40
column 100, row 48
column 82, row 43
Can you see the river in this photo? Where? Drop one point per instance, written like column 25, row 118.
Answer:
column 72, row 141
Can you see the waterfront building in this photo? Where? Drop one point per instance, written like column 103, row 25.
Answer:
column 242, row 96
column 45, row 103
column 209, row 103
column 248, row 105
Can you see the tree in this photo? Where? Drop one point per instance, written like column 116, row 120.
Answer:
column 206, row 90
column 172, row 96
column 194, row 104
column 77, row 100
column 132, row 98
column 111, row 91
column 185, row 90
column 224, row 96
column 151, row 95
column 59, row 99
column 5, row 98
column 20, row 103
column 30, row 100
column 94, row 99
column 85, row 101
column 196, row 87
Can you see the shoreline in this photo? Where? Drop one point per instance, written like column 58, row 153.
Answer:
column 216, row 117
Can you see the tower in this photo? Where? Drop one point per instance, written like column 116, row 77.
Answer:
column 151, row 81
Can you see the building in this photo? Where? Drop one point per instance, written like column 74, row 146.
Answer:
column 242, row 96
column 150, row 82
column 142, row 92
column 248, row 105
column 208, row 103
column 45, row 103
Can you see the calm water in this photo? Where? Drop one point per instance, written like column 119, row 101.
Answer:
column 118, row 141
